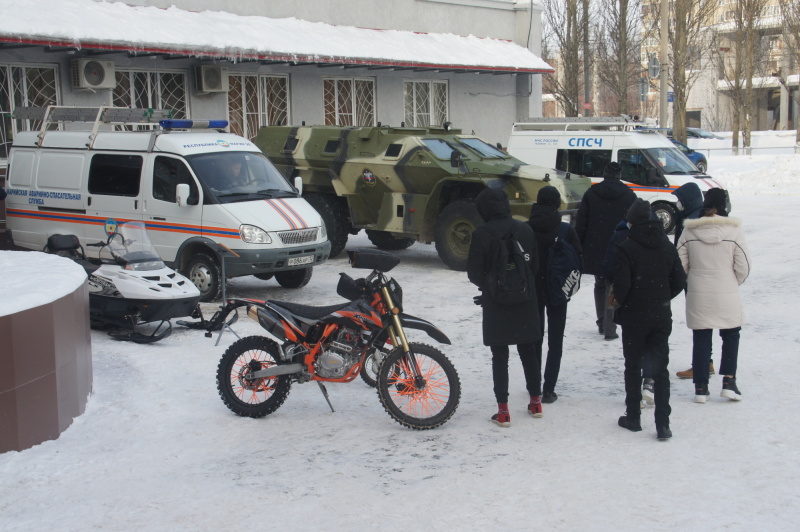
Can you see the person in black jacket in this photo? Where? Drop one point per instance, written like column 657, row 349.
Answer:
column 505, row 325
column 545, row 221
column 647, row 276
column 689, row 206
column 601, row 209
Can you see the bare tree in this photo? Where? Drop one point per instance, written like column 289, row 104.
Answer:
column 790, row 11
column 618, row 51
column 562, row 39
column 746, row 59
column 688, row 38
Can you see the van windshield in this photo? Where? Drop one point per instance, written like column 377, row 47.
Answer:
column 671, row 161
column 240, row 176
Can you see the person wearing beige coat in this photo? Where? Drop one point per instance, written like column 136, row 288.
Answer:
column 714, row 255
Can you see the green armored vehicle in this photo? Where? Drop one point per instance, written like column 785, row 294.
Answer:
column 404, row 185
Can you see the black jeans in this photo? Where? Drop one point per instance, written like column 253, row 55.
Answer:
column 605, row 314
column 531, row 367
column 701, row 353
column 556, row 322
column 653, row 340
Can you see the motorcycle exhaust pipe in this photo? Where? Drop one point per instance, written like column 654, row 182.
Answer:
column 268, row 322
column 284, row 369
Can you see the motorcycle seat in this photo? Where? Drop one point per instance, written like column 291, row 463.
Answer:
column 308, row 311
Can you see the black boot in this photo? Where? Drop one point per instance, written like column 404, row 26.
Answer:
column 663, row 432
column 633, row 424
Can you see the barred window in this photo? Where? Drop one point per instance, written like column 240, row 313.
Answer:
column 151, row 90
column 255, row 101
column 425, row 103
column 23, row 86
column 349, row 101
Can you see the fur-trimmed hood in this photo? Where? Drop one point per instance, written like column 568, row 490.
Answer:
column 711, row 229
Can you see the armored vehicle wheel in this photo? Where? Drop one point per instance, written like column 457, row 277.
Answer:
column 205, row 273
column 453, row 233
column 334, row 216
column 387, row 241
column 294, row 278
column 666, row 213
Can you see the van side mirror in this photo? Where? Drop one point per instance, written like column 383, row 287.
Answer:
column 182, row 195
column 298, row 184
column 652, row 176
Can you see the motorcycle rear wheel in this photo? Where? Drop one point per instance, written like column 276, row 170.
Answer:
column 424, row 404
column 255, row 398
column 369, row 371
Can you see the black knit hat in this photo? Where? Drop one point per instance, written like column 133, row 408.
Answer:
column 716, row 199
column 549, row 196
column 639, row 212
column 612, row 171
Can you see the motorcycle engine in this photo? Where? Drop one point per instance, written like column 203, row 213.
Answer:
column 339, row 355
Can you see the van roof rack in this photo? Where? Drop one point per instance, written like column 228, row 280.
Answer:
column 579, row 123
column 54, row 114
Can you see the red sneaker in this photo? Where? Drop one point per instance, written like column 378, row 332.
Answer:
column 503, row 419
column 535, row 407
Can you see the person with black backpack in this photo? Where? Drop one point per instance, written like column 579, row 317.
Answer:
column 502, row 262
column 560, row 266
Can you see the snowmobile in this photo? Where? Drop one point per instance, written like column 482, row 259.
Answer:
column 131, row 290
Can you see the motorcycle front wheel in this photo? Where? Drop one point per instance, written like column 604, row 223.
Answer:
column 419, row 402
column 251, row 398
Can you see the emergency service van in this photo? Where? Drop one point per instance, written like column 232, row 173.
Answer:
column 651, row 164
column 211, row 201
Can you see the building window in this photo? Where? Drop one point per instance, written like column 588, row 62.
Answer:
column 349, row 101
column 23, row 86
column 425, row 103
column 255, row 101
column 151, row 90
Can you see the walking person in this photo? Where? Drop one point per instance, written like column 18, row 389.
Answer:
column 689, row 207
column 647, row 276
column 505, row 325
column 714, row 254
column 545, row 220
column 601, row 209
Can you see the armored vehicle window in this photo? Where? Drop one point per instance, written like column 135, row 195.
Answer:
column 115, row 175
column 585, row 162
column 332, row 146
column 393, row 150
column 483, row 149
column 440, row 148
column 169, row 173
column 291, row 144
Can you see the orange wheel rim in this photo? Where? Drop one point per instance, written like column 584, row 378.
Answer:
column 421, row 403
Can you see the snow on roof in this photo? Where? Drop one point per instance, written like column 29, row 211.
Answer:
column 117, row 26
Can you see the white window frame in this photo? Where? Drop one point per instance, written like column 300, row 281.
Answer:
column 248, row 121
column 15, row 93
column 362, row 112
column 431, row 111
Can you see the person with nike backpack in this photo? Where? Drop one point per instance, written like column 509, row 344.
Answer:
column 508, row 298
column 560, row 266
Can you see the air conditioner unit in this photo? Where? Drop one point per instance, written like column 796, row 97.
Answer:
column 93, row 74
column 211, row 78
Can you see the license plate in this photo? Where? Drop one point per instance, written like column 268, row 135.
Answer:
column 296, row 261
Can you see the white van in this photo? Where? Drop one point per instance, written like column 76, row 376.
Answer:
column 651, row 164
column 203, row 196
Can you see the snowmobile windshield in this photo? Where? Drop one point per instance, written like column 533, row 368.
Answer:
column 672, row 161
column 240, row 176
column 130, row 247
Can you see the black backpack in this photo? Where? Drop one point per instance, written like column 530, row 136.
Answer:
column 509, row 280
column 562, row 277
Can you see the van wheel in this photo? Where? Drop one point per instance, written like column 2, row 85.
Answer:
column 264, row 276
column 204, row 272
column 453, row 233
column 666, row 213
column 294, row 278
column 334, row 215
column 387, row 241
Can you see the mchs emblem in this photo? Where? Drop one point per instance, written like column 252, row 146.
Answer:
column 368, row 177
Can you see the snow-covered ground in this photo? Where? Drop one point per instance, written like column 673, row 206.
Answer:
column 157, row 450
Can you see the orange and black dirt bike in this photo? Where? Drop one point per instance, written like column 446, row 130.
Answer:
column 417, row 384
